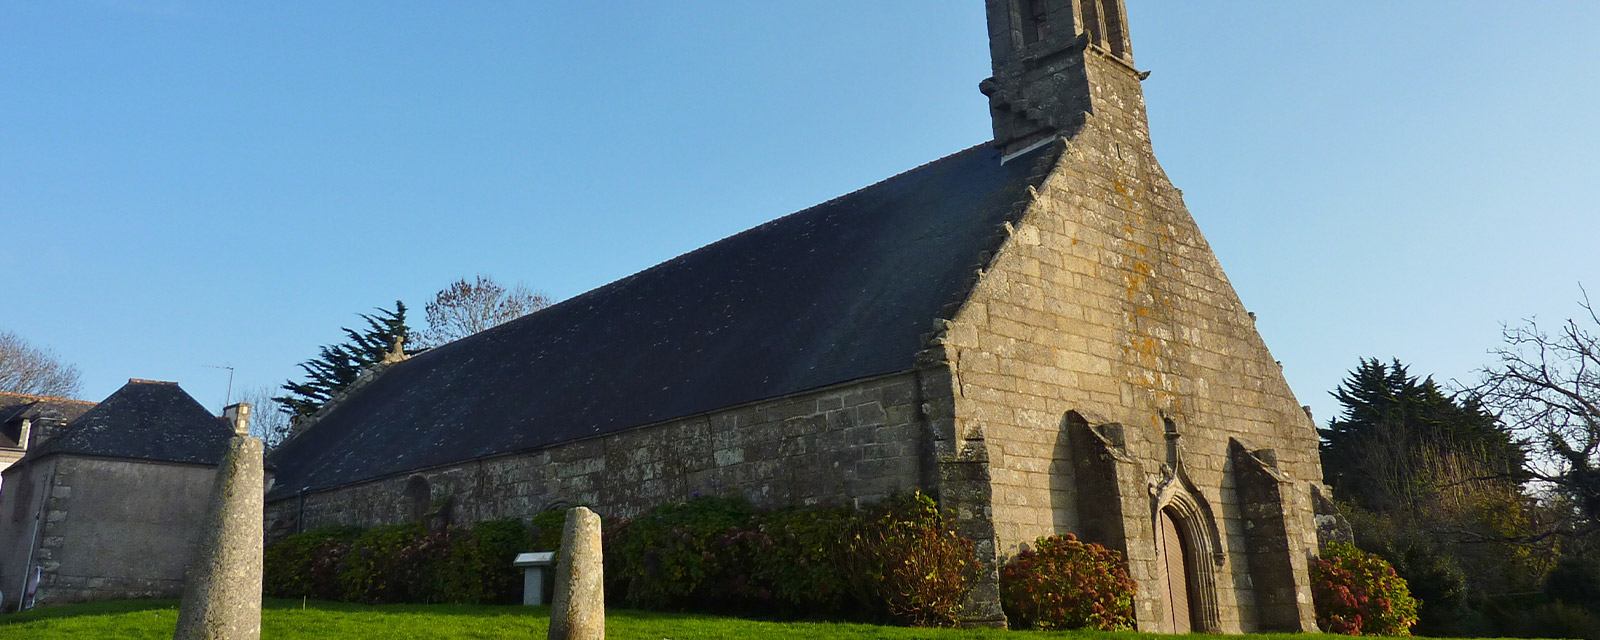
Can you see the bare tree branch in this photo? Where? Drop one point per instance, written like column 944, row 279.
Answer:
column 269, row 419
column 25, row 368
column 1547, row 387
column 468, row 307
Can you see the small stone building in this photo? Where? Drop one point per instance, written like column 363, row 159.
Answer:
column 112, row 505
column 29, row 419
column 1034, row 330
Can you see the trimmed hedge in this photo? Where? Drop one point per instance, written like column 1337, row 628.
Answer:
column 305, row 565
column 1062, row 583
column 897, row 562
column 399, row 563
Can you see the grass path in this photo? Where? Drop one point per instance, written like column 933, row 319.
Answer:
column 283, row 620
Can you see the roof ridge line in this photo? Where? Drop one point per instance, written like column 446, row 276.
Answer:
column 39, row 397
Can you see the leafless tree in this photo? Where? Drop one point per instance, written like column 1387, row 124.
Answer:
column 469, row 306
column 25, row 368
column 1547, row 387
column 269, row 420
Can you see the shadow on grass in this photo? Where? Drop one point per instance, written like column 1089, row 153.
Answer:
column 86, row 609
column 115, row 607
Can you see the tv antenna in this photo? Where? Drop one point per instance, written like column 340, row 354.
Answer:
column 229, row 395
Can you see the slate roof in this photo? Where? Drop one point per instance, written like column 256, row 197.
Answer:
column 144, row 420
column 16, row 407
column 842, row 291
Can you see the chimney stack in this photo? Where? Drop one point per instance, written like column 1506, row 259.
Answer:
column 239, row 416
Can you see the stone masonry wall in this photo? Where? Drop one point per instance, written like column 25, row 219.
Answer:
column 101, row 541
column 26, row 489
column 1107, row 300
column 855, row 442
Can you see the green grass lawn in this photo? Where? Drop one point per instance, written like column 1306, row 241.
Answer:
column 285, row 619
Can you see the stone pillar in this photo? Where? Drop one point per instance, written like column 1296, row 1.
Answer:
column 579, row 611
column 222, row 591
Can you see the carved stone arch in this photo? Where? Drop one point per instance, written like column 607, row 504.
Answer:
column 557, row 505
column 1182, row 501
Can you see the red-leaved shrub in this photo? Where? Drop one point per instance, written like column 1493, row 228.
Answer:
column 905, row 560
column 1063, row 583
column 1358, row 593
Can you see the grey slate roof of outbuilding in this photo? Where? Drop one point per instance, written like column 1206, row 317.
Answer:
column 838, row 292
column 144, row 420
column 16, row 407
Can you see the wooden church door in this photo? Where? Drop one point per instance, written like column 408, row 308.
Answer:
column 1172, row 554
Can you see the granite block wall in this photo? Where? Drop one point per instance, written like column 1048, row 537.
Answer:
column 857, row 442
column 1107, row 300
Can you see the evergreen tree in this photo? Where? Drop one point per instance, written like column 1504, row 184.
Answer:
column 337, row 366
column 1395, row 431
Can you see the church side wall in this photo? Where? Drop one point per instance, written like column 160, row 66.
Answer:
column 1107, row 300
column 858, row 442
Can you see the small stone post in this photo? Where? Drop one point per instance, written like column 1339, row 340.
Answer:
column 579, row 611
column 222, row 591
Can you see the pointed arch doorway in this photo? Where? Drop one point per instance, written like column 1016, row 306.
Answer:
column 1174, row 553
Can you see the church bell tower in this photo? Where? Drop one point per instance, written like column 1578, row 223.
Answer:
column 1040, row 50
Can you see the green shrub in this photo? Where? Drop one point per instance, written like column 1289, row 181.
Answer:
column 400, row 563
column 898, row 561
column 371, row 571
column 1575, row 581
column 1557, row 620
column 547, row 528
column 666, row 558
column 478, row 568
column 304, row 565
column 1436, row 580
column 1062, row 583
column 903, row 561
column 788, row 561
column 1358, row 593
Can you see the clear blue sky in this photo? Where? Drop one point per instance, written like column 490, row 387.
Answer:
column 186, row 184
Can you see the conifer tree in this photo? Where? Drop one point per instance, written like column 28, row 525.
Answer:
column 337, row 366
column 1395, row 426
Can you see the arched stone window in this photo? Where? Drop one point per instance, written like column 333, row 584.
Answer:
column 1103, row 21
column 419, row 497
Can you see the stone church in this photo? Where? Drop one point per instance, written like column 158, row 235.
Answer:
column 1032, row 329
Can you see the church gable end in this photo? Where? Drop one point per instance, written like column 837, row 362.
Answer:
column 1106, row 308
